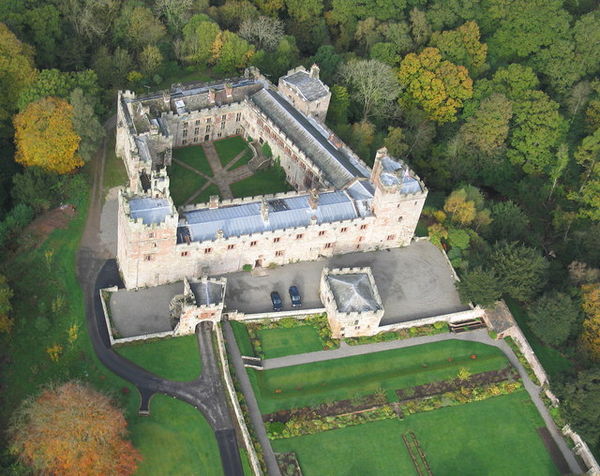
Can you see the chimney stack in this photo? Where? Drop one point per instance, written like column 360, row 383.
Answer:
column 228, row 90
column 264, row 211
column 211, row 96
column 219, row 235
column 166, row 98
column 213, row 202
column 314, row 71
column 313, row 199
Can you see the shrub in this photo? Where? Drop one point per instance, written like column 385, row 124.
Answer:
column 247, row 267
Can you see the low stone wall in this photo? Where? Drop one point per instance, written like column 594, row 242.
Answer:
column 297, row 314
column 453, row 317
column 156, row 335
column 235, row 404
column 105, row 311
column 583, row 451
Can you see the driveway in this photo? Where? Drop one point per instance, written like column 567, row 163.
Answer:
column 414, row 282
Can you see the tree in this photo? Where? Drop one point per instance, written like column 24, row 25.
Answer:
column 198, row 37
column 559, row 65
column 175, row 12
column 263, row 32
column 91, row 19
column 462, row 46
column 588, row 157
column 72, row 429
column 303, row 10
column 276, row 63
column 437, row 86
column 586, row 33
column 86, row 124
column 230, row 52
column 509, row 223
column 328, row 61
column 45, row 137
column 554, row 317
column 395, row 142
column 487, row 130
column 580, row 403
column 232, row 13
column 371, row 82
column 17, row 72
column 479, row 286
column 590, row 337
column 6, row 294
column 461, row 209
column 521, row 270
column 419, row 27
column 150, row 59
column 137, row 27
column 338, row 105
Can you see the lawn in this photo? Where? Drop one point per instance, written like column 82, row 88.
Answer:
column 230, row 147
column 176, row 358
column 551, row 359
column 296, row 340
column 497, row 436
column 263, row 182
column 240, row 331
column 194, row 157
column 212, row 189
column 344, row 378
column 183, row 183
column 114, row 169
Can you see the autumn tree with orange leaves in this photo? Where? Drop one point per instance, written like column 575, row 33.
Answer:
column 71, row 430
column 437, row 86
column 590, row 303
column 45, row 136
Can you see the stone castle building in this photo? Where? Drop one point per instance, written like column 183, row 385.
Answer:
column 340, row 204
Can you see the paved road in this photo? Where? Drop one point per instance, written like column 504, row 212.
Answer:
column 480, row 335
column 253, row 410
column 205, row 393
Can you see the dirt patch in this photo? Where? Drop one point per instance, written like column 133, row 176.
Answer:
column 288, row 464
column 39, row 229
column 554, row 450
column 475, row 380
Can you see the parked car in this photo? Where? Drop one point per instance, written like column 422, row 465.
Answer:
column 295, row 297
column 276, row 300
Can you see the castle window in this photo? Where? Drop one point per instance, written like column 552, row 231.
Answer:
column 183, row 142
column 238, row 117
column 356, row 328
column 399, row 218
column 150, row 235
column 356, row 323
column 361, row 238
column 329, row 245
column 154, row 245
column 238, row 131
column 184, row 253
column 279, row 253
column 391, row 237
column 197, row 122
column 299, row 236
column 208, row 120
column 344, row 229
column 222, row 125
column 185, row 124
column 195, row 139
column 207, row 129
column 207, row 250
column 322, row 232
column 223, row 117
column 196, row 131
column 276, row 240
column 147, row 257
column 253, row 243
column 230, row 247
column 219, row 134
column 184, row 132
column 363, row 227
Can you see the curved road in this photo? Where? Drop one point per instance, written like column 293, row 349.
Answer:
column 205, row 393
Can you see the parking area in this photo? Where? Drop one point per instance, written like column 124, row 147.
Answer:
column 414, row 282
column 145, row 311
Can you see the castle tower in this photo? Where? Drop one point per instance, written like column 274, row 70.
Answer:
column 306, row 91
column 147, row 236
column 398, row 200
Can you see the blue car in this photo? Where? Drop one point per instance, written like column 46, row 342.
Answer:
column 276, row 300
column 295, row 297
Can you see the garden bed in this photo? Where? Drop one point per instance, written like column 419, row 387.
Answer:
column 429, row 330
column 288, row 464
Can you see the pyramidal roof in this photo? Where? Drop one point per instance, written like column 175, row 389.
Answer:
column 353, row 292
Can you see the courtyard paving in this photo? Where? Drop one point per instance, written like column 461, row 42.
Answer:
column 414, row 282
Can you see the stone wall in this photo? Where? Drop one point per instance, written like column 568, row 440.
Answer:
column 583, row 451
column 452, row 317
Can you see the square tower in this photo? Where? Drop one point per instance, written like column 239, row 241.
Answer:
column 306, row 91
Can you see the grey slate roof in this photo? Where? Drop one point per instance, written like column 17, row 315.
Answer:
column 353, row 292
column 207, row 292
column 284, row 213
column 310, row 88
column 338, row 167
column 150, row 210
column 397, row 173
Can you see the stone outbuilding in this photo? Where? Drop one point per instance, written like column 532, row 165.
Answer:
column 352, row 301
column 202, row 300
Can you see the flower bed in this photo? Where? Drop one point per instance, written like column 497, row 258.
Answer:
column 513, row 345
column 432, row 329
column 288, row 464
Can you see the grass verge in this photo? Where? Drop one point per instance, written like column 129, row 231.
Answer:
column 183, row 183
column 297, row 340
column 194, row 157
column 263, row 182
column 229, row 148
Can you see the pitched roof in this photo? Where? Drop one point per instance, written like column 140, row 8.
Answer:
column 353, row 292
column 310, row 88
column 150, row 210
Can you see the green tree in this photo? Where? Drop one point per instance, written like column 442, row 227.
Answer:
column 554, row 317
column 17, row 72
column 479, row 286
column 437, row 86
column 303, row 10
column 137, row 27
column 395, row 142
column 509, row 223
column 328, row 61
column 586, row 32
column 588, row 157
column 198, row 37
column 462, row 46
column 460, row 208
column 42, row 28
column 175, row 12
column 361, row 139
column 338, row 105
column 419, row 26
column 522, row 271
column 86, row 124
column 150, row 59
column 6, row 295
column 559, row 65
column 580, row 402
column 230, row 52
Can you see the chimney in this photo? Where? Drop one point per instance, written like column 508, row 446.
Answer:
column 381, row 153
column 313, row 220
column 213, row 202
column 313, row 199
column 166, row 98
column 211, row 96
column 314, row 71
column 264, row 211
column 228, row 90
column 335, row 140
column 219, row 235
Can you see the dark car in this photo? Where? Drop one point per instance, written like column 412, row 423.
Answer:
column 295, row 297
column 276, row 300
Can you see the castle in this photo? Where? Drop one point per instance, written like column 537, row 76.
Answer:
column 340, row 204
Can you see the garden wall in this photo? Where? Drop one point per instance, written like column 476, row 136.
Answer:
column 298, row 314
column 583, row 451
column 453, row 317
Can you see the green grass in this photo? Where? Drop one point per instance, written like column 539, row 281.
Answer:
column 551, row 359
column 338, row 379
column 194, row 157
column 176, row 358
column 229, row 148
column 297, row 340
column 212, row 189
column 240, row 331
column 494, row 437
column 175, row 440
column 263, row 182
column 183, row 183
column 115, row 173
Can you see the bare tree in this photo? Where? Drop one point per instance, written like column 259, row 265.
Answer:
column 373, row 83
column 264, row 32
column 90, row 18
column 175, row 12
